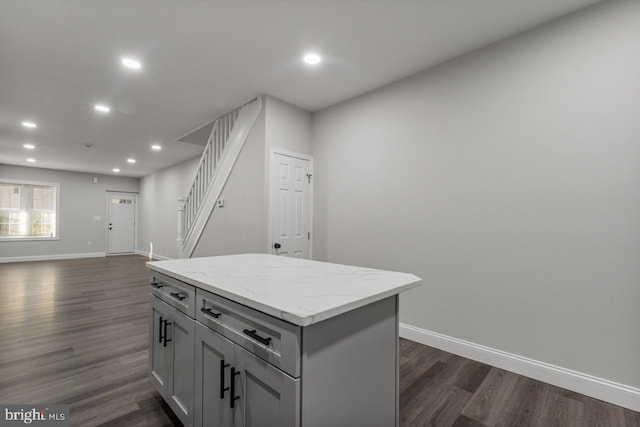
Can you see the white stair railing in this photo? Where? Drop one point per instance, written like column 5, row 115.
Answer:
column 213, row 171
column 213, row 152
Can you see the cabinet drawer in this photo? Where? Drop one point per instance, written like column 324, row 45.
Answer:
column 174, row 292
column 271, row 339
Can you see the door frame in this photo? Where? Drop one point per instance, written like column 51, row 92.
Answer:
column 109, row 194
column 269, row 216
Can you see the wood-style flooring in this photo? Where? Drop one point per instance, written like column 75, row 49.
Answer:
column 75, row 332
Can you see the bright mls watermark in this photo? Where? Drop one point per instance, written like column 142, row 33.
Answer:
column 35, row 415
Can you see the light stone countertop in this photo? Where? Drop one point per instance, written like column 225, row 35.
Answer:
column 299, row 291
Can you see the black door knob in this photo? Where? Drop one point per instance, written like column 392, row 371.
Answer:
column 277, row 245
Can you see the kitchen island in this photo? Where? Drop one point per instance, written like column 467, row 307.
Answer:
column 261, row 340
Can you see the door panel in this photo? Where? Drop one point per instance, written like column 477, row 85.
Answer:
column 283, row 210
column 211, row 350
column 181, row 333
column 158, row 354
column 268, row 396
column 290, row 189
column 121, row 223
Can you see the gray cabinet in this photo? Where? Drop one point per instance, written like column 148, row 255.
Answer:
column 213, row 357
column 232, row 366
column 267, row 397
column 158, row 355
column 171, row 347
column 180, row 373
column 233, row 387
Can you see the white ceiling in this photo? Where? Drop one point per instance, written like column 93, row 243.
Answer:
column 203, row 58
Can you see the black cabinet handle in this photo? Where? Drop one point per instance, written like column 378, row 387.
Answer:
column 156, row 285
column 209, row 312
column 177, row 295
column 233, row 388
column 165, row 333
column 222, row 387
column 252, row 333
column 160, row 330
column 277, row 245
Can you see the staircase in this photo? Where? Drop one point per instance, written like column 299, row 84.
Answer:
column 225, row 142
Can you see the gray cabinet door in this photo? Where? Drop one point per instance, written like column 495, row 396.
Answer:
column 268, row 396
column 158, row 360
column 213, row 361
column 181, row 333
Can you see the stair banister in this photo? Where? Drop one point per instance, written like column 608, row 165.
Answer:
column 228, row 134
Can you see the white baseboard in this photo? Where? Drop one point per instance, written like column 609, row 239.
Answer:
column 599, row 388
column 156, row 257
column 51, row 257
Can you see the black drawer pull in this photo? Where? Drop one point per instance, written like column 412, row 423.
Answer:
column 252, row 334
column 222, row 387
column 233, row 388
column 156, row 285
column 177, row 295
column 165, row 333
column 208, row 311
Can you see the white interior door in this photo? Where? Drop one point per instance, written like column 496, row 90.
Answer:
column 121, row 223
column 290, row 204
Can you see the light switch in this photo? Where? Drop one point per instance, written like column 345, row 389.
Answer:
column 221, row 203
column 97, row 218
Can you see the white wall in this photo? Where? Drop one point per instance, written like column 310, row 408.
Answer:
column 158, row 207
column 287, row 127
column 80, row 201
column 239, row 226
column 509, row 180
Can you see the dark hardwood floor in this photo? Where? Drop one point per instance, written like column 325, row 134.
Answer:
column 441, row 389
column 75, row 332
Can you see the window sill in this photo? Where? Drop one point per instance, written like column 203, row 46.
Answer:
column 27, row 239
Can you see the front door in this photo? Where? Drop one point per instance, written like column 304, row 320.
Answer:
column 290, row 204
column 121, row 223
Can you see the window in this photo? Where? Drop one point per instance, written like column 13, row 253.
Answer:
column 28, row 210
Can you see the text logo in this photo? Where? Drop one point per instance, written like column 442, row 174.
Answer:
column 36, row 415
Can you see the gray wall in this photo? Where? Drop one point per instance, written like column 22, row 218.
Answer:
column 509, row 180
column 239, row 226
column 158, row 207
column 80, row 201
column 287, row 126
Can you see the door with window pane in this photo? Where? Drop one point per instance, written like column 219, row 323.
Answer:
column 121, row 223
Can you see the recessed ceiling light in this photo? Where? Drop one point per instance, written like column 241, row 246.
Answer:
column 29, row 146
column 156, row 147
column 312, row 58
column 29, row 124
column 101, row 108
column 31, row 160
column 116, row 170
column 132, row 63
column 131, row 160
